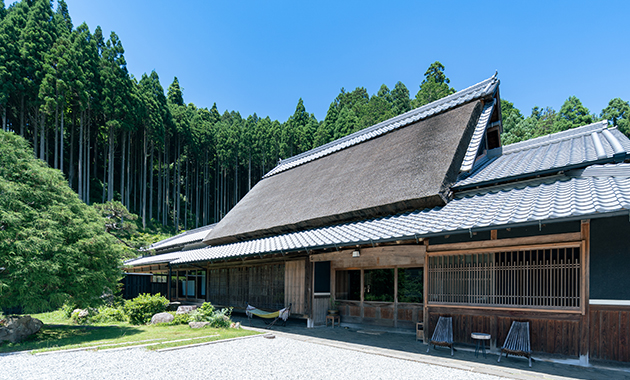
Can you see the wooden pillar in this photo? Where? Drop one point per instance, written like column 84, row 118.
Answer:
column 168, row 288
column 395, row 311
column 208, row 283
column 425, row 296
column 332, row 282
column 585, row 286
column 308, row 285
column 362, row 291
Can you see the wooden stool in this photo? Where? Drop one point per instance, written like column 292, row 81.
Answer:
column 419, row 331
column 332, row 319
column 480, row 337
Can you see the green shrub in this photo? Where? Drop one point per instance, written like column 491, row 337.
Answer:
column 207, row 313
column 180, row 319
column 221, row 318
column 142, row 308
column 203, row 313
column 108, row 315
column 67, row 309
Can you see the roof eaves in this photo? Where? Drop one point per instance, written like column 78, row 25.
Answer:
column 594, row 192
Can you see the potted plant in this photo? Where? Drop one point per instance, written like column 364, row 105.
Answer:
column 332, row 307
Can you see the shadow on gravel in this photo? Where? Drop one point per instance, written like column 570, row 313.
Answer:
column 52, row 336
column 405, row 342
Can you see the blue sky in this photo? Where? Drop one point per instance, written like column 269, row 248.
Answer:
column 262, row 56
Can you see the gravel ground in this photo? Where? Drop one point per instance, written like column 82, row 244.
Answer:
column 253, row 358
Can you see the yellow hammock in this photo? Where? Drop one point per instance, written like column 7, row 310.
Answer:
column 282, row 314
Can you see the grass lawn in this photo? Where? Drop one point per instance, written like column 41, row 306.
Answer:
column 58, row 333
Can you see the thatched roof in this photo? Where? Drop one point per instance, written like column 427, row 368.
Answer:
column 405, row 169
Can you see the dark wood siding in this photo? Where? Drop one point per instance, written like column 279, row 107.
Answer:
column 610, row 332
column 549, row 332
column 134, row 284
column 261, row 286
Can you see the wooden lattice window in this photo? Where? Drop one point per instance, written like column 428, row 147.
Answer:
column 538, row 278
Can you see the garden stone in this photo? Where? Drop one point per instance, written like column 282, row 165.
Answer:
column 185, row 309
column 162, row 318
column 15, row 329
column 82, row 313
column 198, row 325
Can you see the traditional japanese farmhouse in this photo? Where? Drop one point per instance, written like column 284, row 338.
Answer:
column 159, row 255
column 427, row 215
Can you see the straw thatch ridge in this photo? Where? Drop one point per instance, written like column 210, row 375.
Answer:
column 406, row 169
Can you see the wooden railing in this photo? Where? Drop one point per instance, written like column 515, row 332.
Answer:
column 543, row 278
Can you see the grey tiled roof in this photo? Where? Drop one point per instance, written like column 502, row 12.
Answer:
column 157, row 259
column 578, row 147
column 477, row 91
column 185, row 237
column 581, row 193
column 477, row 137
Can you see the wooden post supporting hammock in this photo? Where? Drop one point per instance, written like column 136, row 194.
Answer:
column 282, row 314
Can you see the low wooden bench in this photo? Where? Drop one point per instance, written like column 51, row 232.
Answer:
column 517, row 341
column 443, row 334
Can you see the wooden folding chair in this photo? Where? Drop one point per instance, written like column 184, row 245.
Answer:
column 443, row 334
column 517, row 341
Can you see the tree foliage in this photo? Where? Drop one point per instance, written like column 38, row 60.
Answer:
column 618, row 114
column 53, row 247
column 434, row 86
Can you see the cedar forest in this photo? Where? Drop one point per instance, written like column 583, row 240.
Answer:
column 177, row 165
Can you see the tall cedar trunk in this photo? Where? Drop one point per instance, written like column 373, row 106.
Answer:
column 249, row 171
column 104, row 173
column 225, row 192
column 144, row 182
column 179, row 176
column 4, row 117
column 22, row 116
column 197, row 199
column 205, row 191
column 151, row 184
column 159, row 187
column 56, row 158
column 123, row 168
column 186, row 197
column 95, row 152
column 61, row 148
column 174, row 205
column 35, row 126
column 42, row 137
column 110, row 164
column 166, row 185
column 84, row 160
column 129, row 183
column 72, row 141
column 80, row 158
column 87, row 167
column 133, row 180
